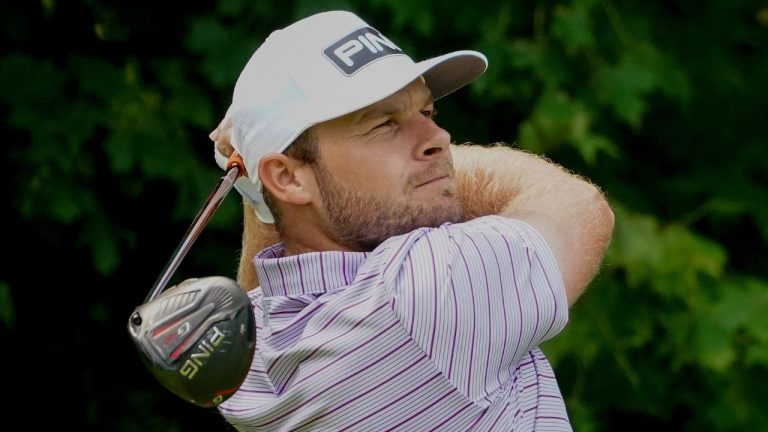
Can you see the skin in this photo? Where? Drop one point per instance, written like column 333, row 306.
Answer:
column 388, row 169
column 383, row 171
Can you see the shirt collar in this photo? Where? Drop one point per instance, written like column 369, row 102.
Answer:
column 307, row 273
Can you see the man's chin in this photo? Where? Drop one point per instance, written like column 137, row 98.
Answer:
column 447, row 210
column 452, row 214
column 379, row 229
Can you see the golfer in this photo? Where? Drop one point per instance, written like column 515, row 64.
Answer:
column 413, row 279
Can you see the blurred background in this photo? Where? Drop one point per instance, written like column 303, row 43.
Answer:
column 106, row 107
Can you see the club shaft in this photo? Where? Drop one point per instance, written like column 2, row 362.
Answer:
column 203, row 216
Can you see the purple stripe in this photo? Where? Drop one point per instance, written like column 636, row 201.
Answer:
column 390, row 403
column 477, row 420
column 527, row 410
column 455, row 313
column 413, row 296
column 535, row 298
column 376, row 387
column 551, row 418
column 308, row 312
column 434, row 299
column 455, row 329
column 474, row 328
column 348, row 353
column 337, row 383
column 282, row 277
column 452, row 416
column 490, row 326
column 503, row 310
column 501, row 414
column 322, row 273
column 344, row 309
column 344, row 268
column 309, row 355
column 519, row 302
column 551, row 290
column 525, row 363
column 406, row 241
column 280, row 356
column 367, row 278
column 291, row 311
column 269, row 281
column 235, row 410
column 267, row 392
column 301, row 276
column 423, row 409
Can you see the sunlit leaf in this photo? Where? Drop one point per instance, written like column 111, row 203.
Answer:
column 591, row 145
column 572, row 26
column 713, row 345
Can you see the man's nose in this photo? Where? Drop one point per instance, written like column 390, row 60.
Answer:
column 431, row 141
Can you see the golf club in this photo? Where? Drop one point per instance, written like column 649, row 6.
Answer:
column 197, row 338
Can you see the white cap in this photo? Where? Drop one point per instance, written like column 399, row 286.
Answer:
column 320, row 68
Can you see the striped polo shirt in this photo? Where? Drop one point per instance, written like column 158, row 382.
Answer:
column 434, row 330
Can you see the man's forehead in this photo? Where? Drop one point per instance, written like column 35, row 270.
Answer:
column 415, row 93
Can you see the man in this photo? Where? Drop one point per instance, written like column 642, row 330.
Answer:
column 413, row 279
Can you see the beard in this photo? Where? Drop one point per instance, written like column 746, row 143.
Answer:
column 363, row 221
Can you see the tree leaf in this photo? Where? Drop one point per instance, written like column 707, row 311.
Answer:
column 7, row 309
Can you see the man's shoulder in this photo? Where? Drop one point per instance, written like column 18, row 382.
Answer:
column 451, row 239
column 477, row 226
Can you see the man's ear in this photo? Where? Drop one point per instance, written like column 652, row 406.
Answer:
column 287, row 179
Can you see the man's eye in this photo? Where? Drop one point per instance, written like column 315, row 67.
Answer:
column 384, row 124
column 429, row 113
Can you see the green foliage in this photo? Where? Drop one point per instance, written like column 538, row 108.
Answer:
column 662, row 104
column 6, row 305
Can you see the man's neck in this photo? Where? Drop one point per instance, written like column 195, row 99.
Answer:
column 309, row 237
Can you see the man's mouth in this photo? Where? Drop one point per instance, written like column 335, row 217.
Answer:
column 434, row 181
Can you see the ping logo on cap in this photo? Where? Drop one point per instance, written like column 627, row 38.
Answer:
column 360, row 48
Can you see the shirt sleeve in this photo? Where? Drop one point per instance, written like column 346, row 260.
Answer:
column 476, row 297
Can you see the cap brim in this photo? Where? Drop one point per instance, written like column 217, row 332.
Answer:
column 450, row 72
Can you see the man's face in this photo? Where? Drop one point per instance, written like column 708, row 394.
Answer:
column 386, row 170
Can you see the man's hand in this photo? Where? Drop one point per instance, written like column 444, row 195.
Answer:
column 222, row 144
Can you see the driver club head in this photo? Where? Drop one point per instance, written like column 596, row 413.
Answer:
column 197, row 338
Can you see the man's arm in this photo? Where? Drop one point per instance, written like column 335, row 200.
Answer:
column 256, row 234
column 569, row 212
